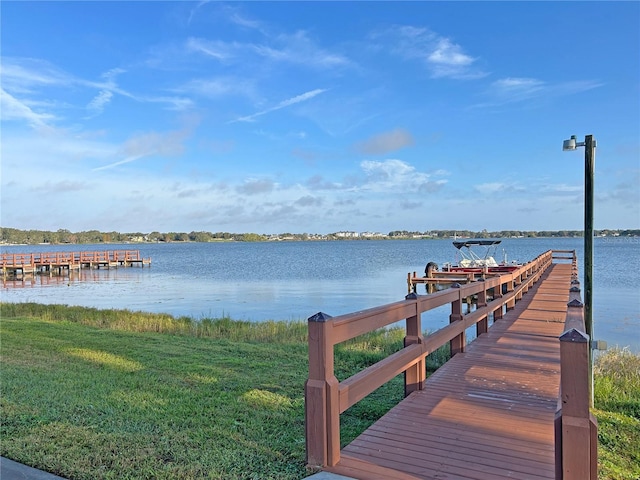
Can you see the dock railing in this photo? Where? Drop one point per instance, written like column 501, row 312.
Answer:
column 576, row 429
column 326, row 398
column 13, row 263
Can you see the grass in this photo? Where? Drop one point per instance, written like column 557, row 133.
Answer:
column 131, row 321
column 617, row 402
column 105, row 394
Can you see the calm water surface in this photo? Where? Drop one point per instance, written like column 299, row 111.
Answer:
column 294, row 280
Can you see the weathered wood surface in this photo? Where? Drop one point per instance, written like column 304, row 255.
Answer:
column 488, row 413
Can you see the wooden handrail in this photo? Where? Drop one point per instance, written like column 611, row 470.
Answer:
column 66, row 261
column 326, row 398
column 576, row 429
column 71, row 257
column 9, row 259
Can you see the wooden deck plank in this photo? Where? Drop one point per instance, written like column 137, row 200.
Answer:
column 436, row 448
column 487, row 413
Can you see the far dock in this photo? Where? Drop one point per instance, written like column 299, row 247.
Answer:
column 21, row 265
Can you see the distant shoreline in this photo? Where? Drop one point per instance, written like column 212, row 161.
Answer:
column 16, row 237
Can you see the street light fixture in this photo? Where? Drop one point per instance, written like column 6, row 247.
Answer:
column 589, row 145
column 589, row 160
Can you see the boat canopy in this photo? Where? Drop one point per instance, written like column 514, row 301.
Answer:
column 469, row 243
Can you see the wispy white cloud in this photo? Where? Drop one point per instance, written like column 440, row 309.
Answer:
column 165, row 144
column 13, row 109
column 533, row 187
column 171, row 103
column 222, row 86
column 103, row 98
column 298, row 48
column 129, row 159
column 23, row 75
column 570, row 88
column 195, row 10
column 518, row 89
column 28, row 75
column 283, row 104
column 491, row 188
column 442, row 56
column 216, row 49
column 562, row 188
column 226, row 12
column 448, row 60
column 26, row 81
column 393, row 176
column 97, row 104
column 242, row 20
column 295, row 48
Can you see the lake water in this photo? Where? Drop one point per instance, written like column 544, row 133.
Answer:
column 294, row 280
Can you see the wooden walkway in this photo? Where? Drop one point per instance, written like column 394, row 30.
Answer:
column 488, row 413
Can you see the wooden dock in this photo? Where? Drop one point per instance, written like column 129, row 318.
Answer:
column 496, row 410
column 21, row 265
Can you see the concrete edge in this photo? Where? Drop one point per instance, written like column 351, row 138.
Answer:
column 10, row 470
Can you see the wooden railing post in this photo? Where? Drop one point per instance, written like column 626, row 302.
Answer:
column 457, row 343
column 497, row 295
column 511, row 303
column 517, row 282
column 415, row 375
column 483, row 325
column 322, row 409
column 576, row 428
column 576, row 421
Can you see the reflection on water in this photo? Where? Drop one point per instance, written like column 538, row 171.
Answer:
column 65, row 279
column 294, row 280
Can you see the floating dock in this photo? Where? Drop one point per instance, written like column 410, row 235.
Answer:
column 21, row 265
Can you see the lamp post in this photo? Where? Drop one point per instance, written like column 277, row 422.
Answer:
column 589, row 145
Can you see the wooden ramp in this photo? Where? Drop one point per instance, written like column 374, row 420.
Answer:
column 488, row 413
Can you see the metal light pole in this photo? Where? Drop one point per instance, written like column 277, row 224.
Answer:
column 589, row 166
column 589, row 145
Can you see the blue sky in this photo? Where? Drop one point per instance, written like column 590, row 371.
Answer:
column 317, row 117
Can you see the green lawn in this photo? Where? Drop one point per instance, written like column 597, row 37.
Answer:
column 97, row 402
column 617, row 401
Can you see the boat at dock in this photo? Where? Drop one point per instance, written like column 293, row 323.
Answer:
column 470, row 267
column 483, row 263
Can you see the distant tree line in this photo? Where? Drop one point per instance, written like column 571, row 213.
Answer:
column 34, row 237
column 510, row 233
column 63, row 236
